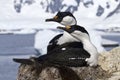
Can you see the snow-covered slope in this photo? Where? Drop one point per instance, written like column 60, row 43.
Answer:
column 105, row 8
column 34, row 12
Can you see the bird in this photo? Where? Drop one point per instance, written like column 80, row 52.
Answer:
column 82, row 35
column 70, row 57
column 67, row 49
column 67, row 19
column 68, row 54
column 63, row 60
column 64, row 18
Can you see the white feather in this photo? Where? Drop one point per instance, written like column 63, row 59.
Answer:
column 88, row 46
column 68, row 20
column 66, row 38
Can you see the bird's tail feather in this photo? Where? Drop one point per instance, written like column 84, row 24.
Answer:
column 67, row 73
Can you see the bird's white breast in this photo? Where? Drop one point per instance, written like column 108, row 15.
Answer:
column 66, row 38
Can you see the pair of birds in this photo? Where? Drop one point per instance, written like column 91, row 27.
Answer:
column 74, row 42
column 73, row 48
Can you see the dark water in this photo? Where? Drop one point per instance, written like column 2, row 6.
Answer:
column 16, row 40
column 12, row 46
column 113, row 38
column 16, row 44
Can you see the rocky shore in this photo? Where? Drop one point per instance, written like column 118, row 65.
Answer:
column 108, row 69
column 110, row 62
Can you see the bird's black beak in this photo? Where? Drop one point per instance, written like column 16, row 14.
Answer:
column 65, row 29
column 51, row 19
column 55, row 19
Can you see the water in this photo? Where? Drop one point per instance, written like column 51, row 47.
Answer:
column 16, row 44
column 8, row 69
column 113, row 37
column 13, row 46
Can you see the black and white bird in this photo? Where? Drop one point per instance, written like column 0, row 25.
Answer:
column 82, row 36
column 71, row 57
column 67, row 19
column 73, row 48
column 62, row 60
column 80, row 40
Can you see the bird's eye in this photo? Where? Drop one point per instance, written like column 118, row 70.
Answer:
column 55, row 17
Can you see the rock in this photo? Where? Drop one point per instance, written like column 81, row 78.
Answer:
column 27, row 72
column 110, row 61
column 109, row 69
column 115, row 76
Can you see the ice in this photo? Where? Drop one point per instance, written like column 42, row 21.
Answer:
column 25, row 31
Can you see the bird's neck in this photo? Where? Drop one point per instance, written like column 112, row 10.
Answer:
column 87, row 44
column 89, row 47
column 66, row 38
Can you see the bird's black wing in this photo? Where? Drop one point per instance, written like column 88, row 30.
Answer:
column 72, row 57
column 67, row 73
column 23, row 61
column 53, row 43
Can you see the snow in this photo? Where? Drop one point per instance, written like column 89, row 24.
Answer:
column 25, row 31
column 112, row 21
column 70, row 2
column 109, row 42
column 21, row 31
column 42, row 39
column 96, row 39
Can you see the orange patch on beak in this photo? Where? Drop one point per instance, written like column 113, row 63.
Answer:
column 55, row 17
column 67, row 27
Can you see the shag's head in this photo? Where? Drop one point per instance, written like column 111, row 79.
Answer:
column 76, row 31
column 64, row 18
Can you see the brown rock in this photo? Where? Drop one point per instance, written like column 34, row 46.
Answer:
column 109, row 69
column 27, row 72
column 110, row 61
